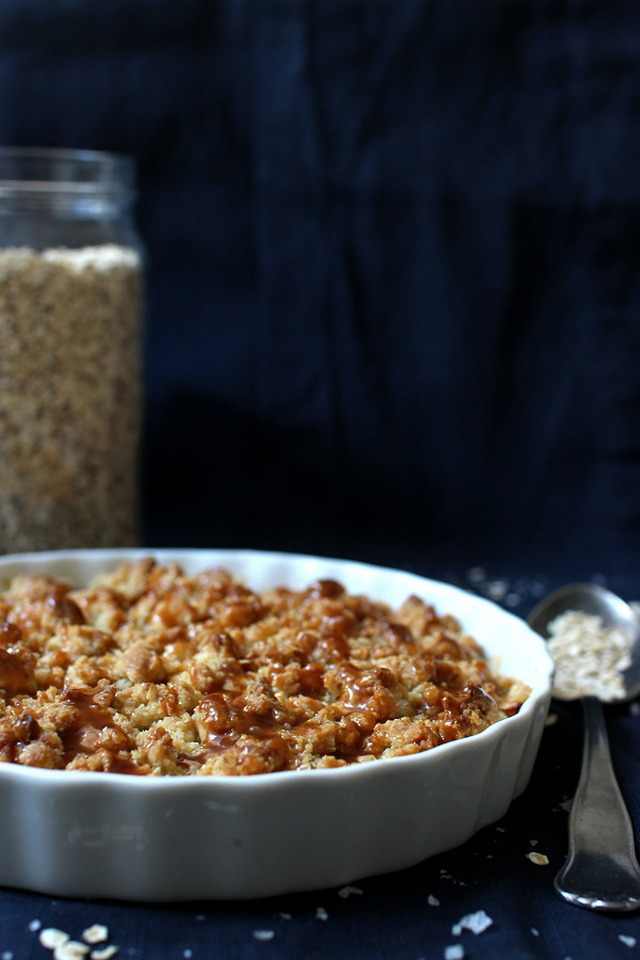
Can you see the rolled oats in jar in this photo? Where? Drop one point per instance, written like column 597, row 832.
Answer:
column 71, row 289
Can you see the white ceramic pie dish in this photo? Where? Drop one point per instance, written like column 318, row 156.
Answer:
column 106, row 835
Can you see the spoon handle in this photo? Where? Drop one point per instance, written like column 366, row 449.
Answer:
column 601, row 871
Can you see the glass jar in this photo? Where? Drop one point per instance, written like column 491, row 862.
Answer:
column 71, row 296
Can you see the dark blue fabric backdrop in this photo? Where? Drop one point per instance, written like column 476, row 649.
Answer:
column 394, row 285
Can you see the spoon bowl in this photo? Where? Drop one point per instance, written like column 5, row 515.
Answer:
column 601, row 871
column 613, row 611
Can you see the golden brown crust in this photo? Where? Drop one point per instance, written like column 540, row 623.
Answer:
column 151, row 671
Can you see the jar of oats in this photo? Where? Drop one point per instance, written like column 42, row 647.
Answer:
column 71, row 287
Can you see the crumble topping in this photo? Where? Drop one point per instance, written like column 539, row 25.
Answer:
column 151, row 671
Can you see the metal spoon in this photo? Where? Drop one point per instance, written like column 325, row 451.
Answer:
column 601, row 871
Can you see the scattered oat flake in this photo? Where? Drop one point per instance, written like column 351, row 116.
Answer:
column 50, row 938
column 70, row 950
column 454, row 952
column 7, row 955
column 628, row 941
column 540, row 859
column 187, row 954
column 497, row 589
column 321, row 914
column 263, row 934
column 477, row 922
column 104, row 953
column 476, row 574
column 433, row 901
column 347, row 891
column 536, row 933
column 285, row 916
column 34, row 925
column 97, row 933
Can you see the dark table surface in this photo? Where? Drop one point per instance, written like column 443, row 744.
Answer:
column 408, row 915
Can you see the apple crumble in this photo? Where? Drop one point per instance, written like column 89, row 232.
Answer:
column 153, row 671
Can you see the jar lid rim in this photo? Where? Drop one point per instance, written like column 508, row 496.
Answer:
column 53, row 169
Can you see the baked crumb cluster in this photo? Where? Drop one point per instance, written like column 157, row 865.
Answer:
column 152, row 671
